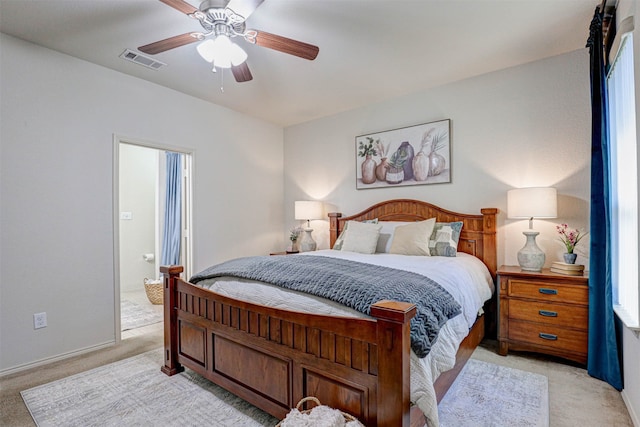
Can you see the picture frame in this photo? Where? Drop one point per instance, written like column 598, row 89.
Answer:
column 413, row 155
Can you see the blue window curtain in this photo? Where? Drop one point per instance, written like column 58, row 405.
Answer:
column 173, row 210
column 603, row 359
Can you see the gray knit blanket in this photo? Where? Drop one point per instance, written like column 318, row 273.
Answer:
column 354, row 284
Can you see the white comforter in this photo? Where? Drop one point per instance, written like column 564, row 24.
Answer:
column 465, row 277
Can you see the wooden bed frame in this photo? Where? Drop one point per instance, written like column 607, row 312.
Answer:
column 273, row 358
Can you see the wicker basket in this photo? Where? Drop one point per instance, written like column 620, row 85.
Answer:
column 154, row 290
column 347, row 417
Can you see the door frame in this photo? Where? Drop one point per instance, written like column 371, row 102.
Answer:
column 187, row 206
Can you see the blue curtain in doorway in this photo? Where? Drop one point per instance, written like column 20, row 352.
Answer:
column 173, row 210
column 603, row 359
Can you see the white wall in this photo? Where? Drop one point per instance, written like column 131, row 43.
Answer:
column 138, row 167
column 57, row 120
column 520, row 127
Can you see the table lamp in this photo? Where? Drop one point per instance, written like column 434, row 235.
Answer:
column 306, row 211
column 535, row 202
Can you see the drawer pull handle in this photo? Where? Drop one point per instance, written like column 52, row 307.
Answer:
column 547, row 313
column 548, row 291
column 549, row 337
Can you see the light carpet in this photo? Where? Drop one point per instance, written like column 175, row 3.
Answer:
column 485, row 394
column 134, row 392
column 134, row 316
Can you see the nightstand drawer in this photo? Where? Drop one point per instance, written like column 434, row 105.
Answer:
column 548, row 291
column 548, row 336
column 548, row 313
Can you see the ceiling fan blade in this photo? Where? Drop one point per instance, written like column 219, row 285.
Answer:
column 181, row 6
column 286, row 45
column 244, row 8
column 241, row 72
column 170, row 43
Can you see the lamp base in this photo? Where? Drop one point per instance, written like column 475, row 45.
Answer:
column 307, row 243
column 531, row 257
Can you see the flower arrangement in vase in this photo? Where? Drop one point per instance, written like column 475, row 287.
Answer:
column 383, row 167
column 437, row 162
column 294, row 233
column 368, row 165
column 396, row 172
column 570, row 239
column 421, row 159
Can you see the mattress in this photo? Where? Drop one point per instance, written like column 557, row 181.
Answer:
column 465, row 277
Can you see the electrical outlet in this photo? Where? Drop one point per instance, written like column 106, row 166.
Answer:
column 39, row 320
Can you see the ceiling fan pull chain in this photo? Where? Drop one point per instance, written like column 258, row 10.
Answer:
column 222, row 81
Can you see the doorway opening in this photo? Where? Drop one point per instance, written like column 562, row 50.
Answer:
column 152, row 223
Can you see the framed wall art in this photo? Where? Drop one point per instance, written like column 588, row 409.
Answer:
column 414, row 155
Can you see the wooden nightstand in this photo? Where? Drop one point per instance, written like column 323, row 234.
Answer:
column 283, row 253
column 543, row 312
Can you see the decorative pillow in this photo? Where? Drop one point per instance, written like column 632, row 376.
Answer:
column 386, row 235
column 413, row 238
column 361, row 237
column 444, row 238
column 338, row 243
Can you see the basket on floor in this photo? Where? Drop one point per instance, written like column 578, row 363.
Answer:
column 154, row 290
column 294, row 417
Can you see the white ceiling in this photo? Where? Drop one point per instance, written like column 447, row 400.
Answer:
column 370, row 50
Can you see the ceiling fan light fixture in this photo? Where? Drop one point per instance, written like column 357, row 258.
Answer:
column 237, row 54
column 222, row 52
column 206, row 50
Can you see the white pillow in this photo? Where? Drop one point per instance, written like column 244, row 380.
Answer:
column 413, row 238
column 338, row 243
column 361, row 237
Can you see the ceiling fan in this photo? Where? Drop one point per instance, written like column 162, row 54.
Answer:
column 223, row 20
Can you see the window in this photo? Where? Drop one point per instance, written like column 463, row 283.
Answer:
column 624, row 185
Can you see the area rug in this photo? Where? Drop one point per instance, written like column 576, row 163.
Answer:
column 133, row 392
column 134, row 316
column 485, row 394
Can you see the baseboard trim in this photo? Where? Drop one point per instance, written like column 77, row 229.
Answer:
column 634, row 417
column 45, row 361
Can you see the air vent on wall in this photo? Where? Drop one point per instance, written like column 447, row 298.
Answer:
column 140, row 59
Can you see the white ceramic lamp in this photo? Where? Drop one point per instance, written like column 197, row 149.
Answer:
column 306, row 211
column 530, row 203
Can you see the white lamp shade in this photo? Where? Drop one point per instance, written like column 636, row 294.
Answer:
column 307, row 210
column 222, row 52
column 206, row 50
column 535, row 202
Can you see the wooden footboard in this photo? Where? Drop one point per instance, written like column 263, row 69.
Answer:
column 273, row 358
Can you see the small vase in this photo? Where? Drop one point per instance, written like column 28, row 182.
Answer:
column 437, row 164
column 369, row 170
column 381, row 169
column 570, row 258
column 405, row 147
column 294, row 247
column 395, row 175
column 421, row 166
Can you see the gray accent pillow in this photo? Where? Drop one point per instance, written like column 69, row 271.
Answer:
column 444, row 238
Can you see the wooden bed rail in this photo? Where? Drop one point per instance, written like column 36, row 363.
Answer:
column 273, row 358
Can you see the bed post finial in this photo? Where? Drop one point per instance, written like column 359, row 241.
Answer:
column 171, row 275
column 489, row 252
column 334, row 230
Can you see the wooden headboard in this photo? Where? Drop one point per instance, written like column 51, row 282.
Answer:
column 478, row 236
